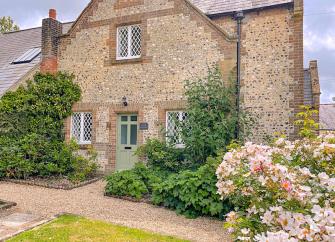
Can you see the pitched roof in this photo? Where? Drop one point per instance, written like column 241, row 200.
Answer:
column 212, row 7
column 14, row 45
column 327, row 116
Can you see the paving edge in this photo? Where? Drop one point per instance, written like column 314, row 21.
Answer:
column 30, row 227
column 130, row 199
column 34, row 225
column 66, row 188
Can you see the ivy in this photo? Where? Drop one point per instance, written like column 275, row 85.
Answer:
column 31, row 129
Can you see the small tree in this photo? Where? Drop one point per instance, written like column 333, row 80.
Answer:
column 212, row 116
column 7, row 24
column 307, row 123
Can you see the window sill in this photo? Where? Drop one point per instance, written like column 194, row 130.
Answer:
column 140, row 60
column 85, row 146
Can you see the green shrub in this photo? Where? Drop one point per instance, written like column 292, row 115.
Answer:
column 31, row 131
column 135, row 183
column 161, row 155
column 126, row 183
column 192, row 193
column 212, row 117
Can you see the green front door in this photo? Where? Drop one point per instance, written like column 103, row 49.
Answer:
column 126, row 141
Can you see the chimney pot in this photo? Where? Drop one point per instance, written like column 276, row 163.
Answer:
column 52, row 13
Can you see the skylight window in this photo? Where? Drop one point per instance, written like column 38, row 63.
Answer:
column 28, row 56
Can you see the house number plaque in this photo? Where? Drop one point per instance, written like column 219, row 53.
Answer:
column 144, row 126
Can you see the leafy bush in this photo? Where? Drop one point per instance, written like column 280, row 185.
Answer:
column 192, row 193
column 126, row 183
column 135, row 183
column 161, row 155
column 31, row 136
column 284, row 192
column 212, row 117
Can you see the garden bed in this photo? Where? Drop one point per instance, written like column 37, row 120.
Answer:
column 6, row 205
column 61, row 183
column 146, row 199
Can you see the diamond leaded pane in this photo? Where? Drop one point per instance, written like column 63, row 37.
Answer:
column 172, row 129
column 88, row 121
column 135, row 41
column 76, row 124
column 123, row 42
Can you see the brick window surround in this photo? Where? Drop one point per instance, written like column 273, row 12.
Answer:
column 127, row 3
column 113, row 41
column 68, row 125
column 168, row 106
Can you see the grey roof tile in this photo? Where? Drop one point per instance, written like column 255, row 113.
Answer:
column 12, row 46
column 327, row 116
column 210, row 7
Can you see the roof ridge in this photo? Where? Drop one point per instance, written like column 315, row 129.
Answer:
column 21, row 30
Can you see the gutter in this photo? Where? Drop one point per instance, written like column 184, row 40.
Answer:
column 232, row 13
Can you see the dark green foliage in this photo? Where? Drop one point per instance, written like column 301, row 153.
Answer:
column 212, row 119
column 192, row 193
column 31, row 124
column 126, row 183
column 135, row 183
column 163, row 156
column 40, row 108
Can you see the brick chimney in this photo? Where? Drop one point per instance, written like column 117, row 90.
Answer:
column 51, row 31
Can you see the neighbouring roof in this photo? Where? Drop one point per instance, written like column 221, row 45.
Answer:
column 19, row 47
column 212, row 7
column 327, row 116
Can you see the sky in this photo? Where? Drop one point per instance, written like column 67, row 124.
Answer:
column 319, row 30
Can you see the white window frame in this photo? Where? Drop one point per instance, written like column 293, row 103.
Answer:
column 129, row 56
column 181, row 114
column 81, row 140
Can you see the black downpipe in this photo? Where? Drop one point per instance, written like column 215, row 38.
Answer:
column 239, row 16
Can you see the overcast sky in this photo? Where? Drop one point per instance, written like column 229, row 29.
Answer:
column 319, row 29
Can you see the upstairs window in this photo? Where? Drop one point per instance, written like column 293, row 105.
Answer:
column 81, row 129
column 129, row 42
column 173, row 129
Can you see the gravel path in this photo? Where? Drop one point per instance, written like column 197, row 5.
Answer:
column 89, row 201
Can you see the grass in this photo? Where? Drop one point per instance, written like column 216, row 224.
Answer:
column 74, row 228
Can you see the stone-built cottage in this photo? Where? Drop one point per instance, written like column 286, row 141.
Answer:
column 131, row 58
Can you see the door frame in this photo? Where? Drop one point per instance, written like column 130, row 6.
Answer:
column 114, row 111
column 118, row 133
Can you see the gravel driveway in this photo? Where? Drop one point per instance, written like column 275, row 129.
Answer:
column 89, row 201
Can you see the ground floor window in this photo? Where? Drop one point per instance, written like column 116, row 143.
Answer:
column 173, row 127
column 81, row 129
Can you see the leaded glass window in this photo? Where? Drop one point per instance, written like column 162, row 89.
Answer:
column 129, row 42
column 174, row 119
column 81, row 129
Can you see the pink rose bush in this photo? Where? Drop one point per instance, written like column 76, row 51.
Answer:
column 282, row 192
